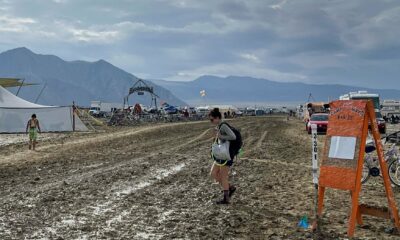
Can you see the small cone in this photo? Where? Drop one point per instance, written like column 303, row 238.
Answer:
column 303, row 223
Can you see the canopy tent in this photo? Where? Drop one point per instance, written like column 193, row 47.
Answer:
column 15, row 112
column 13, row 82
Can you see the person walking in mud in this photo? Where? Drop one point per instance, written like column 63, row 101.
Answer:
column 33, row 127
column 220, row 168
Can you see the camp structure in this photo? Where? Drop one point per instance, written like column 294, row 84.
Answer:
column 14, row 82
column 314, row 107
column 15, row 112
column 390, row 108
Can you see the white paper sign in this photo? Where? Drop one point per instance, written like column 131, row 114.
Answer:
column 342, row 147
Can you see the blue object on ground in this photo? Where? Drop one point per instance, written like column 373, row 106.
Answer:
column 303, row 222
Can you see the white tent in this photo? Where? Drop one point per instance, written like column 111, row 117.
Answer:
column 15, row 112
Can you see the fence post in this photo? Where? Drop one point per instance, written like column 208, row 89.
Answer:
column 73, row 116
column 314, row 134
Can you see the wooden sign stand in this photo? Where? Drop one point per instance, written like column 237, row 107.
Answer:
column 343, row 159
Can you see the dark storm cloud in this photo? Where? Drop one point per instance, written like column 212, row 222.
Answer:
column 285, row 40
column 235, row 9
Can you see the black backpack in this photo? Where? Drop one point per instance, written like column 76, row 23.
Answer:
column 235, row 145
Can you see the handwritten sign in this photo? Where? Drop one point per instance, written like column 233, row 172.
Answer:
column 343, row 158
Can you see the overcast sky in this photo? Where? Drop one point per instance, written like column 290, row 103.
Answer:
column 317, row 41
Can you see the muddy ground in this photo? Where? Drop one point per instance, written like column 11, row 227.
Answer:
column 152, row 182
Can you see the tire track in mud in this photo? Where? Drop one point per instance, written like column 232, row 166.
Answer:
column 144, row 228
column 180, row 203
column 83, row 173
column 129, row 190
column 202, row 213
column 111, row 223
column 277, row 161
column 102, row 208
column 103, row 170
column 119, row 191
column 254, row 142
column 90, row 140
column 261, row 140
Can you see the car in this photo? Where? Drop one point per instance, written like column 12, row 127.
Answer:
column 238, row 113
column 94, row 111
column 170, row 110
column 319, row 119
column 381, row 123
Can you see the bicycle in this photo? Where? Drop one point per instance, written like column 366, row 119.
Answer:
column 371, row 164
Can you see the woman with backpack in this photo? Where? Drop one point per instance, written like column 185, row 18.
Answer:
column 220, row 168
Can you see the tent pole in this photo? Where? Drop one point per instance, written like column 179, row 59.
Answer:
column 23, row 80
column 40, row 94
column 73, row 116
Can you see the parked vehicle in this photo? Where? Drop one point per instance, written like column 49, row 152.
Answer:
column 314, row 108
column 169, row 109
column 319, row 119
column 249, row 111
column 260, row 112
column 381, row 122
column 238, row 113
column 203, row 110
column 390, row 107
column 94, row 111
column 102, row 109
column 364, row 95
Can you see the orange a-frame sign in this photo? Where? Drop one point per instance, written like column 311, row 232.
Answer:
column 343, row 158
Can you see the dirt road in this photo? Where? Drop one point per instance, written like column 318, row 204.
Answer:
column 152, row 183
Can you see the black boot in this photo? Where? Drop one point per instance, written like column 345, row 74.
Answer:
column 232, row 190
column 225, row 200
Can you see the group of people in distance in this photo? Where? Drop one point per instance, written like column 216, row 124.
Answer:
column 392, row 119
column 228, row 114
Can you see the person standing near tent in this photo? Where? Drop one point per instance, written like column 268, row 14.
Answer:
column 220, row 168
column 33, row 127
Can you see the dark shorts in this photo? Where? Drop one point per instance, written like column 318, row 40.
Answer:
column 228, row 163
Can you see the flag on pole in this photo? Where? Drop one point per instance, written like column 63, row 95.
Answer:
column 203, row 93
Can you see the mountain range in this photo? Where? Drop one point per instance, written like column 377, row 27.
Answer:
column 83, row 81
column 248, row 90
column 79, row 81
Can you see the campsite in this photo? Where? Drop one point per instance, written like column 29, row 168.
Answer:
column 134, row 184
column 136, row 171
column 142, row 172
column 187, row 119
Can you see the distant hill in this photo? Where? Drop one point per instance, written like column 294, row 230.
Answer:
column 247, row 90
column 69, row 81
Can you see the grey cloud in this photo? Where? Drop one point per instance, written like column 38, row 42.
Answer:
column 309, row 40
column 235, row 9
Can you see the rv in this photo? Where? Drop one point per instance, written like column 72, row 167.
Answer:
column 312, row 108
column 390, row 107
column 101, row 109
column 203, row 110
column 364, row 95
